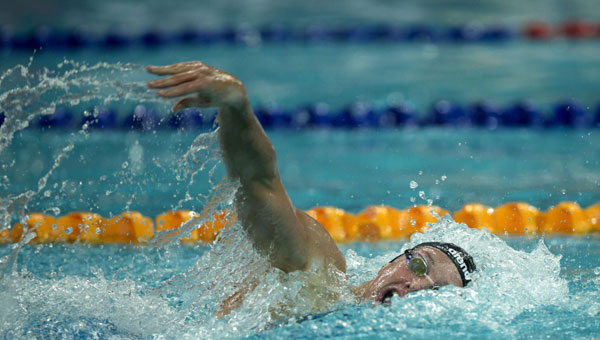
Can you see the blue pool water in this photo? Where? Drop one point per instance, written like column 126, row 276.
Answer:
column 170, row 291
column 110, row 170
column 291, row 75
column 527, row 287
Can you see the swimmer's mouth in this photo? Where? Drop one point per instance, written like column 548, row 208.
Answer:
column 386, row 295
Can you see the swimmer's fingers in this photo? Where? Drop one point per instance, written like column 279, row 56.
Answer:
column 182, row 89
column 175, row 68
column 187, row 102
column 173, row 80
column 216, row 86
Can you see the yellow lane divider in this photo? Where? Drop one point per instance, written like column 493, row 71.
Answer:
column 372, row 224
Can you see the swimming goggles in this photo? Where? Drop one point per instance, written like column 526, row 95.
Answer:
column 418, row 266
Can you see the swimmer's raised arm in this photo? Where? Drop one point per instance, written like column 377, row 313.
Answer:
column 291, row 239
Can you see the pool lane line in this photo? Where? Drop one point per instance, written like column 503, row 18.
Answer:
column 481, row 114
column 52, row 38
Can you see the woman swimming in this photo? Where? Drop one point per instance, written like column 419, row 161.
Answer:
column 288, row 237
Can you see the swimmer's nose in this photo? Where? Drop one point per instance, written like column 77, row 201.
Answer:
column 403, row 277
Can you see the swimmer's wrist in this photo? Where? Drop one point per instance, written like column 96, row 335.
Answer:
column 235, row 98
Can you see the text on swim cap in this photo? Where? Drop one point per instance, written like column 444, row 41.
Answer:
column 461, row 262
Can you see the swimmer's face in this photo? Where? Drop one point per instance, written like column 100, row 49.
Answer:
column 395, row 278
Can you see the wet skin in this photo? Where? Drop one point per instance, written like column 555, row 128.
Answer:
column 396, row 279
column 287, row 236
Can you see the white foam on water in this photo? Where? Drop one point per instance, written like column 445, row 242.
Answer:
column 60, row 307
column 506, row 283
column 276, row 298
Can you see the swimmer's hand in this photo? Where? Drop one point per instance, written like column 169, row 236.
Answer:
column 211, row 87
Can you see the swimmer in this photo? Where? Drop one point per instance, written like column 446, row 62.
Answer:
column 287, row 236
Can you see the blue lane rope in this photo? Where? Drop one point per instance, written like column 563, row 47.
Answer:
column 483, row 114
column 48, row 38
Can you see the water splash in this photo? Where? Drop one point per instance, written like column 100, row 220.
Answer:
column 27, row 92
column 507, row 282
column 202, row 154
column 77, row 305
column 181, row 305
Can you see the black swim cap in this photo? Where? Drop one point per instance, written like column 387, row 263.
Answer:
column 463, row 261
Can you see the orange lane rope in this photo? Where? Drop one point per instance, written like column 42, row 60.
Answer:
column 372, row 224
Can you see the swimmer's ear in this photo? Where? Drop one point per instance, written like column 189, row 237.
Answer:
column 187, row 102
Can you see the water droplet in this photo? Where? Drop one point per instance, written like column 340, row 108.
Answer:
column 98, row 230
column 413, row 199
column 422, row 195
column 444, row 177
column 47, row 193
column 413, row 185
column 420, row 172
column 124, row 165
column 69, row 230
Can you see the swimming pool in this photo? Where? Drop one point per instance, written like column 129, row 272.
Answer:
column 547, row 287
